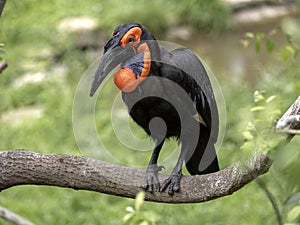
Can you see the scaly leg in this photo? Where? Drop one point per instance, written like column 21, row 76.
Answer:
column 151, row 178
column 174, row 179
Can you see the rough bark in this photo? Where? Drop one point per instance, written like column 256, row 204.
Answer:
column 19, row 167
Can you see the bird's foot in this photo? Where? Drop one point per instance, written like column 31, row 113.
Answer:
column 151, row 178
column 173, row 182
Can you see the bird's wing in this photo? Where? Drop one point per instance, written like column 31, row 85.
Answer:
column 201, row 90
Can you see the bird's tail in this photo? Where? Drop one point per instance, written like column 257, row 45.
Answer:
column 202, row 159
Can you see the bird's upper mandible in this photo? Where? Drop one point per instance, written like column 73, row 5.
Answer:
column 128, row 47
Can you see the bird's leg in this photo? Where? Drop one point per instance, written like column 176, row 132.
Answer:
column 174, row 179
column 151, row 178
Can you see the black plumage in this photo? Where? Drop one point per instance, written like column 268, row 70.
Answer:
column 177, row 90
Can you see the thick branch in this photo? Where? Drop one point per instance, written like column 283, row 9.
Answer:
column 24, row 167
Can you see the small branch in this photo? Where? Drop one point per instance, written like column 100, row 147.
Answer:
column 13, row 218
column 3, row 65
column 2, row 4
column 271, row 198
column 291, row 131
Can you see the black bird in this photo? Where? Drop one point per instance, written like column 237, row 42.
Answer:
column 168, row 94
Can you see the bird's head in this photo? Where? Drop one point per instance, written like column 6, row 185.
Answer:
column 130, row 46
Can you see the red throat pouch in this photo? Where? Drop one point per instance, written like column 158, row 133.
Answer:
column 125, row 80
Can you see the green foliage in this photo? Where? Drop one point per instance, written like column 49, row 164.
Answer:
column 288, row 51
column 259, row 38
column 28, row 29
column 293, row 215
column 139, row 216
column 259, row 134
column 208, row 15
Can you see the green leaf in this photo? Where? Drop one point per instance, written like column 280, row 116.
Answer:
column 258, row 96
column 257, row 122
column 294, row 213
column 248, row 136
column 276, row 112
column 250, row 126
column 273, row 32
column 274, row 142
column 257, row 46
column 271, row 98
column 249, row 35
column 248, row 147
column 151, row 216
column 257, row 108
column 285, row 54
column 259, row 37
column 290, row 49
column 270, row 45
column 127, row 217
column 139, row 200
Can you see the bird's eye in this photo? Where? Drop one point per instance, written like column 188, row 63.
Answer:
column 130, row 40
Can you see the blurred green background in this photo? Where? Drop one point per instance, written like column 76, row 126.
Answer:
column 50, row 44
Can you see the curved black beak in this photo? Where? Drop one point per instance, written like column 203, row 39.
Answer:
column 113, row 56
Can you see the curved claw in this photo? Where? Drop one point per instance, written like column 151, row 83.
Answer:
column 173, row 182
column 151, row 178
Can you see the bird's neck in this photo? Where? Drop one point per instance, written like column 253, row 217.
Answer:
column 152, row 44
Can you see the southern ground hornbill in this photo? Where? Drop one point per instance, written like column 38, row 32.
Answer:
column 168, row 94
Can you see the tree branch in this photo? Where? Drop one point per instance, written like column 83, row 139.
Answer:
column 272, row 200
column 13, row 218
column 2, row 4
column 3, row 65
column 290, row 120
column 21, row 167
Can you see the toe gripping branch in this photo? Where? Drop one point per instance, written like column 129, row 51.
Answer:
column 173, row 182
column 151, row 178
